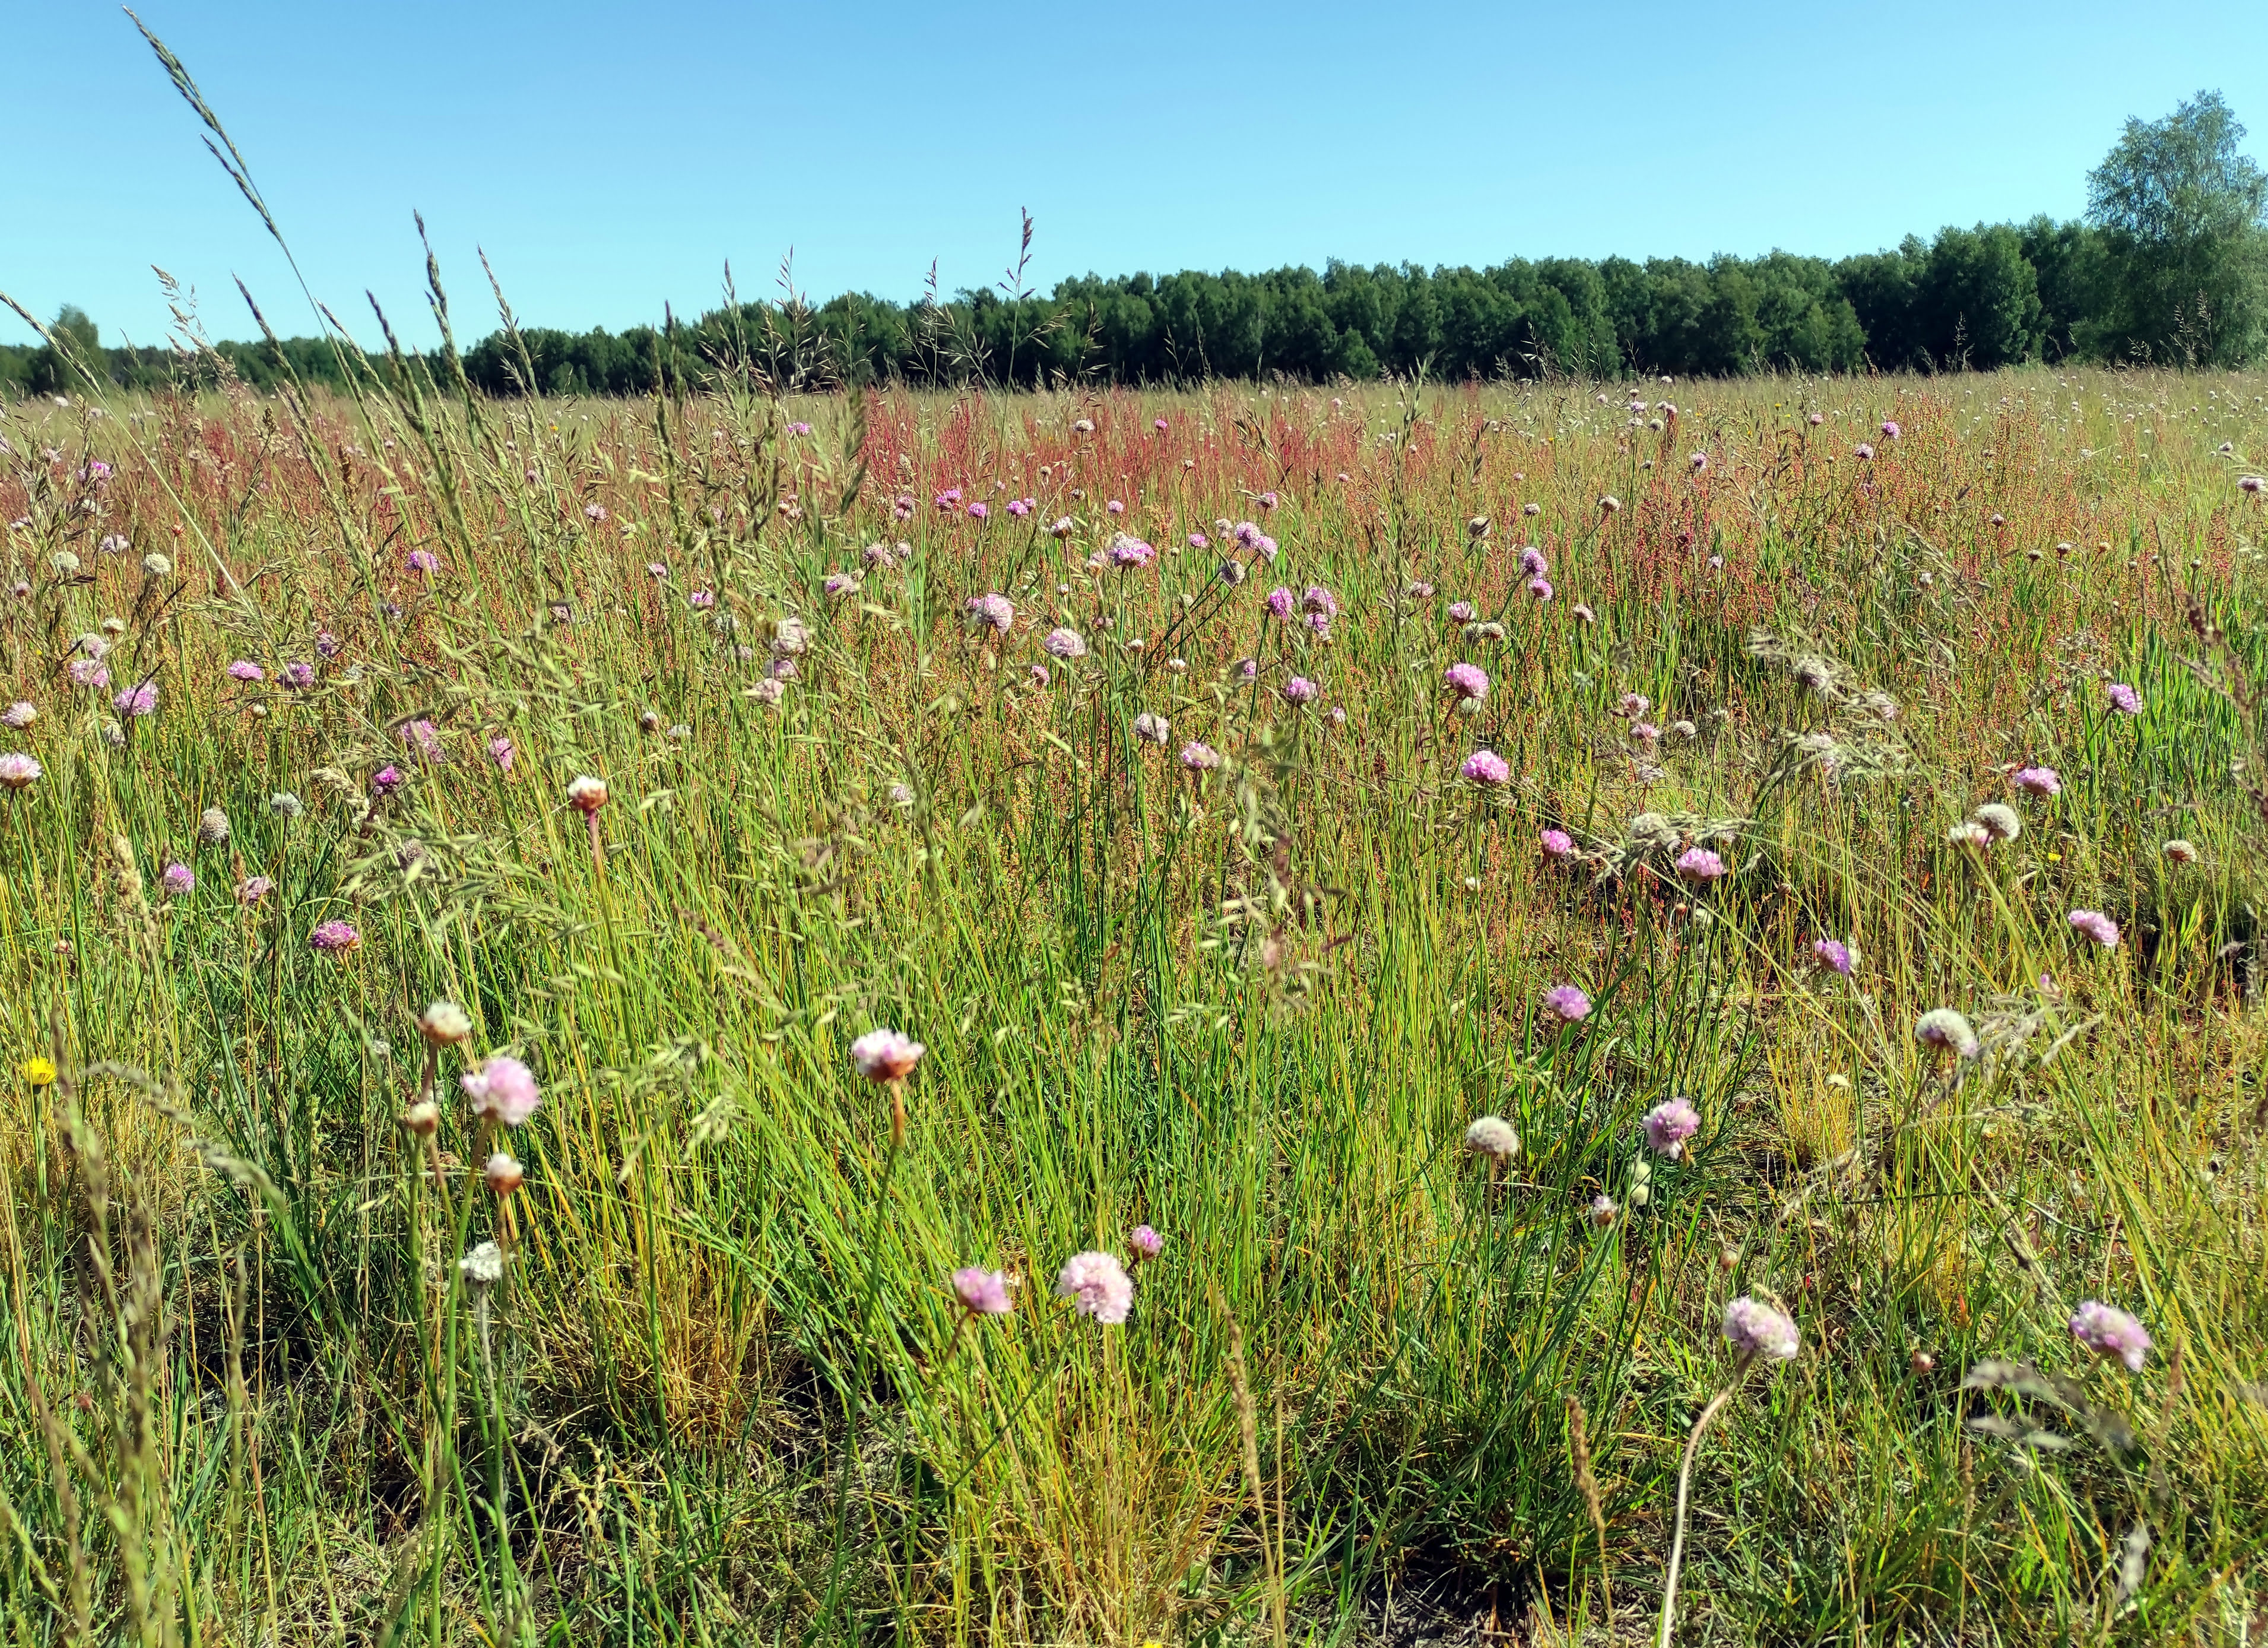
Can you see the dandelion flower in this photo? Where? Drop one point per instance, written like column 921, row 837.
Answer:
column 884, row 1055
column 1492, row 1136
column 1100, row 1286
column 1668, row 1125
column 1755, row 1330
column 2095, row 925
column 501, row 1090
column 38, row 1070
column 2109, row 1332
column 982, row 1292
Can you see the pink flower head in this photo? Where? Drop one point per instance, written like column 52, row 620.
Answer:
column 1700, row 463
column 1461, row 611
column 2096, row 926
column 501, row 1090
column 178, row 880
column 88, row 672
column 594, row 512
column 386, row 779
column 903, row 507
column 1146, row 1242
column 424, row 561
column 948, row 500
column 253, row 888
column 884, row 1055
column 1300, row 690
column 2037, row 780
column 1320, row 600
column 992, row 612
column 2252, row 484
column 1832, row 954
column 1320, row 624
column 2123, row 699
column 1567, row 1003
column 1646, row 731
column 1485, row 766
column 1890, row 428
column 979, row 511
column 1099, row 1284
column 1668, row 1125
column 1698, row 863
column 1248, row 534
column 982, row 1292
column 1039, row 677
column 1540, row 588
column 18, row 771
column 2107, row 1331
column 1131, row 551
column 500, row 752
column 1281, row 602
column 1467, row 681
column 1532, row 563
column 245, row 670
column 1199, row 540
column 298, row 674
column 1199, row 757
column 1558, row 845
column 140, row 700
column 1864, row 451
column 335, row 938
column 1158, row 424
column 1065, row 644
column 798, row 428
column 1755, row 1331
column 425, row 738
column 1266, row 500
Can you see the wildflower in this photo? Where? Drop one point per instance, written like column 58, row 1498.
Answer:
column 1320, row 601
column 327, row 645
column 1610, row 504
column 1700, row 463
column 1063, row 644
column 1099, row 1284
column 1532, row 563
column 1461, row 611
column 18, row 772
column 948, row 500
column 1970, row 834
column 425, row 738
column 1540, row 587
column 157, row 566
column 1150, row 728
column 1531, row 509
column 2252, row 484
column 2037, row 780
column 335, row 938
column 1146, row 1242
column 296, row 674
column 138, row 701
column 982, row 1292
column 991, row 610
column 1863, row 452
column 1199, row 757
column 2123, row 699
column 1468, row 682
column 979, row 511
column 2180, row 851
column 1756, row 1330
column 1486, row 768
column 2109, row 1332
column 212, row 826
column 482, row 1266
column 1668, row 1125
column 884, row 1055
column 503, row 1174
column 253, row 888
column 388, row 780
column 1583, row 613
column 1300, row 690
column 1567, row 1003
column 1557, row 845
column 64, row 561
column 1816, row 419
column 1943, row 1028
column 1890, row 429
column 1492, row 1136
column 1832, row 954
column 245, row 670
column 586, row 794
column 114, row 543
column 1114, row 508
column 1685, row 730
column 1646, row 732
column 2000, row 821
column 1062, row 526
column 1698, row 863
column 502, row 1089
column 1247, row 668
column 38, row 1070
column 1478, row 527
column 1632, row 704
column 1131, row 551
column 444, row 1023
column 179, row 880
column 285, row 804
column 2096, row 926
column 500, row 752
column 424, row 561
column 1082, row 426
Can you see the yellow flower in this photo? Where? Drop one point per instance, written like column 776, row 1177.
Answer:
column 39, row 1072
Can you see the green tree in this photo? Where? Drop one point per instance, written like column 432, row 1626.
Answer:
column 2184, row 218
column 52, row 374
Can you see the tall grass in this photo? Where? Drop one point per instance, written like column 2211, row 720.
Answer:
column 722, row 1391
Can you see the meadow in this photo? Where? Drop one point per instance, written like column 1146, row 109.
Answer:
column 1452, row 935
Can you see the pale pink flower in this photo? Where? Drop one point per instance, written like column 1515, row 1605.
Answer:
column 1567, row 1003
column 884, row 1055
column 1099, row 1284
column 2037, row 780
column 1146, row 1242
column 1755, row 1331
column 2096, row 926
column 501, row 1090
column 1557, row 845
column 1486, row 768
column 1668, row 1125
column 2109, row 1332
column 982, row 1292
column 1468, row 682
column 1698, row 863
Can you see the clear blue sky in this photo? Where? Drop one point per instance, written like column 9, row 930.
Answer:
column 611, row 157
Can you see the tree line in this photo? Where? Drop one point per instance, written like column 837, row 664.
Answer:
column 2168, row 267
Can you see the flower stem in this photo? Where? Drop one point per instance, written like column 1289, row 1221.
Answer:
column 1684, row 1480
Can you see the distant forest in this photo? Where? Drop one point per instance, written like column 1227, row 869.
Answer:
column 2169, row 267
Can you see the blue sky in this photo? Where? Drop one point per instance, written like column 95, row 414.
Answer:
column 612, row 156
